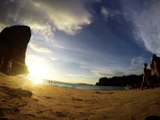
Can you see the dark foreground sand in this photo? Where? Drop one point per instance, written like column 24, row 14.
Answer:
column 22, row 100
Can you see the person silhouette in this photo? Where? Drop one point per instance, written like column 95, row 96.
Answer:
column 146, row 77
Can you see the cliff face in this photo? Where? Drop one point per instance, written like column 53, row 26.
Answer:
column 13, row 45
column 155, row 66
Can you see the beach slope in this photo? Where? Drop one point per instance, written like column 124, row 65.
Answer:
column 21, row 99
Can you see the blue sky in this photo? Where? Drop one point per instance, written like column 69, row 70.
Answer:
column 82, row 40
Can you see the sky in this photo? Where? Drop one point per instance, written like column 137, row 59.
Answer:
column 80, row 41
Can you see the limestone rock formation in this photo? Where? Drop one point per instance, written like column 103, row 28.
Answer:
column 13, row 45
column 155, row 66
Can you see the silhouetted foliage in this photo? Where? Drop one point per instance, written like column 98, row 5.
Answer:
column 131, row 80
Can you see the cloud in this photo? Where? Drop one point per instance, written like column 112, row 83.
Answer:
column 138, row 61
column 54, row 58
column 105, row 13
column 69, row 16
column 38, row 48
column 145, row 17
column 136, row 65
column 107, row 73
column 80, row 76
column 43, row 32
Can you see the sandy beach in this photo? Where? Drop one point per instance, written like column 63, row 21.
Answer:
column 22, row 100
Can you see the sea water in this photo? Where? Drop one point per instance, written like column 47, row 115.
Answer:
column 83, row 86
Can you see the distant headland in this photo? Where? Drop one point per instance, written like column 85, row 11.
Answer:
column 136, row 81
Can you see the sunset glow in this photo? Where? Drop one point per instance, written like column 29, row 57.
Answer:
column 38, row 69
column 83, row 40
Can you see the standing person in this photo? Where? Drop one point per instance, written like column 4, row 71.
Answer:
column 146, row 77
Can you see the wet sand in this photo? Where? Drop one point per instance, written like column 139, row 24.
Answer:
column 22, row 100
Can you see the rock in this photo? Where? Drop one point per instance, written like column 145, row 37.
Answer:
column 13, row 45
column 155, row 70
column 155, row 66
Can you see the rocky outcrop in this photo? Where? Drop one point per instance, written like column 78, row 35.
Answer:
column 155, row 66
column 13, row 45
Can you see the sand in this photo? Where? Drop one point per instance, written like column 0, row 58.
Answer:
column 21, row 99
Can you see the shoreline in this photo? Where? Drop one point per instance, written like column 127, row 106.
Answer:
column 25, row 100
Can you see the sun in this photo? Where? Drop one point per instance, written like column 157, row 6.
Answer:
column 38, row 70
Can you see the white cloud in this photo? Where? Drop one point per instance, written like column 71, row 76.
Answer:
column 146, row 19
column 44, row 31
column 138, row 61
column 54, row 58
column 107, row 12
column 80, row 76
column 136, row 65
column 69, row 16
column 104, row 12
column 107, row 73
column 39, row 48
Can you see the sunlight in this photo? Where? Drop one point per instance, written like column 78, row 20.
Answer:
column 38, row 69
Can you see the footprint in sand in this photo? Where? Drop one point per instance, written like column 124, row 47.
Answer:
column 11, row 110
column 47, row 97
column 98, row 92
column 13, row 101
column 60, row 114
column 16, row 92
column 77, row 99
